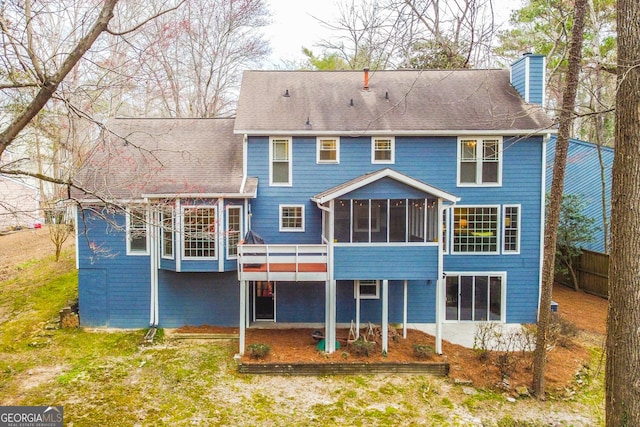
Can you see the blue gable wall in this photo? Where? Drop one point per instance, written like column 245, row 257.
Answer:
column 582, row 178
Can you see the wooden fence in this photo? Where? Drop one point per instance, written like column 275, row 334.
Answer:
column 593, row 273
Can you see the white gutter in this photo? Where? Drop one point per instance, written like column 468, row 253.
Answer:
column 363, row 132
column 199, row 195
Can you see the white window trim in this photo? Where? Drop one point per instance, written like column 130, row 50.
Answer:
column 319, row 147
column 452, row 250
column 229, row 208
column 290, row 159
column 128, row 232
column 182, row 233
column 356, row 289
column 163, row 211
column 393, row 150
column 286, row 229
column 479, row 163
column 518, row 229
column 503, row 295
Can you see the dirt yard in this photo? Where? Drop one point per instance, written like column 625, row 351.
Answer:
column 586, row 312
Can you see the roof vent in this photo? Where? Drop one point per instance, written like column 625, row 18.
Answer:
column 386, row 96
column 366, row 79
column 351, row 103
column 286, row 93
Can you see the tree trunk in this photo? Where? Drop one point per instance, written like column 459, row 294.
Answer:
column 555, row 199
column 623, row 321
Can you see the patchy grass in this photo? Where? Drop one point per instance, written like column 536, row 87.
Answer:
column 113, row 378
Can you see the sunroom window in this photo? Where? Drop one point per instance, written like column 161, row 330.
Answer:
column 199, row 232
column 167, row 221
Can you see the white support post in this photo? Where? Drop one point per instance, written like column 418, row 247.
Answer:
column 405, row 295
column 330, row 317
column 385, row 316
column 439, row 304
column 357, row 291
column 243, row 316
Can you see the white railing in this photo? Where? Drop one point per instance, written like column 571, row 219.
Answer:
column 298, row 263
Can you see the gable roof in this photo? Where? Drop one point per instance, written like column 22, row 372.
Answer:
column 139, row 158
column 368, row 178
column 398, row 102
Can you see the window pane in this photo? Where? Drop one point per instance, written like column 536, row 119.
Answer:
column 361, row 221
column 137, row 231
column 398, row 220
column 167, row 232
column 490, row 149
column 495, row 298
column 466, row 298
column 432, row 220
column 379, row 220
column 416, row 220
column 328, row 150
column 342, row 221
column 452, row 298
column 468, row 172
column 382, row 149
column 281, row 172
column 511, row 221
column 490, row 172
column 281, row 150
column 468, row 149
column 481, row 298
column 292, row 217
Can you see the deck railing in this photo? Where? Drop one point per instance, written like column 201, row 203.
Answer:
column 297, row 263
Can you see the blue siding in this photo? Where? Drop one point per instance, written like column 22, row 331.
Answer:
column 420, row 305
column 198, row 299
column 582, row 178
column 300, row 302
column 126, row 302
column 535, row 66
column 356, row 262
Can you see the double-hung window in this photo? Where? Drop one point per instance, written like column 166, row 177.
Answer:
column 168, row 227
column 280, row 167
column 199, row 232
column 328, row 150
column 475, row 229
column 511, row 229
column 234, row 228
column 383, row 150
column 480, row 161
column 291, row 217
column 137, row 231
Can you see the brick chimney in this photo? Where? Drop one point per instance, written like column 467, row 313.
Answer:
column 366, row 79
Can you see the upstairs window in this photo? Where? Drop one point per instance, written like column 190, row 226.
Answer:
column 328, row 150
column 480, row 161
column 199, row 232
column 137, row 231
column 475, row 229
column 383, row 150
column 280, row 161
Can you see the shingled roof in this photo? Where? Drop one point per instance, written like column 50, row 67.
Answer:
column 398, row 102
column 165, row 157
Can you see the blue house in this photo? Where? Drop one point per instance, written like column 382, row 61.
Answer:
column 588, row 175
column 392, row 197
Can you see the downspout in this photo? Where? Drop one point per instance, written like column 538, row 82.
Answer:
column 330, row 297
column 153, row 263
column 543, row 196
column 441, row 281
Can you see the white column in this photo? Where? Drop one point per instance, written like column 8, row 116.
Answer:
column 243, row 316
column 385, row 316
column 405, row 294
column 357, row 291
column 330, row 317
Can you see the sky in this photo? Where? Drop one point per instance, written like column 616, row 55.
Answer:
column 293, row 25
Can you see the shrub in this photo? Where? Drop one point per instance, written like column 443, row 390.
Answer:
column 258, row 350
column 362, row 347
column 423, row 351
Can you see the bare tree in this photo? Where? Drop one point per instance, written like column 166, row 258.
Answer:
column 623, row 321
column 555, row 198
